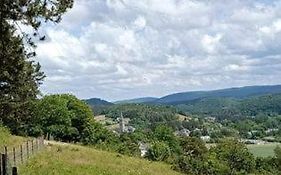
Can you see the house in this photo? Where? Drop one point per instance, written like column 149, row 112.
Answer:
column 211, row 119
column 143, row 148
column 183, row 132
column 252, row 141
column 271, row 130
column 206, row 138
column 130, row 129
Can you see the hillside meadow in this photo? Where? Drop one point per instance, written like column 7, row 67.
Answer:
column 75, row 160
column 6, row 139
column 263, row 150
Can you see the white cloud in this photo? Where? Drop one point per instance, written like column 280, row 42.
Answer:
column 118, row 49
column 140, row 22
column 210, row 43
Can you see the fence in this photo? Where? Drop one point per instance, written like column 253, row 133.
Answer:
column 12, row 157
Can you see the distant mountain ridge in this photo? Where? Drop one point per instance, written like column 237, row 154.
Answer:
column 97, row 101
column 137, row 100
column 239, row 93
column 185, row 97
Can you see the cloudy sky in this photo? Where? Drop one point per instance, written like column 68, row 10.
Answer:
column 119, row 49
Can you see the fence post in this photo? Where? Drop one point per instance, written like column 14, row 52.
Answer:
column 1, row 166
column 14, row 155
column 14, row 171
column 4, row 164
column 5, row 161
column 32, row 149
column 36, row 144
column 6, row 150
column 21, row 154
column 27, row 149
column 42, row 141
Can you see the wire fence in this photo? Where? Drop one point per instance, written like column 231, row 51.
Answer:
column 12, row 157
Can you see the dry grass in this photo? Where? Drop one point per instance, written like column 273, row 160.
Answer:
column 100, row 118
column 76, row 160
column 183, row 117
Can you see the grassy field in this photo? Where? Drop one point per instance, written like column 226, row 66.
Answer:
column 6, row 139
column 76, row 160
column 263, row 150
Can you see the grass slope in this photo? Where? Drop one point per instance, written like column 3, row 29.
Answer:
column 76, row 160
column 263, row 150
column 6, row 139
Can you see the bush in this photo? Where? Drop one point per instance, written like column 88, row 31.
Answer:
column 159, row 151
column 236, row 155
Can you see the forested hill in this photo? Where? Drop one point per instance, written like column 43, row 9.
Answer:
column 234, row 108
column 137, row 100
column 142, row 115
column 97, row 101
column 185, row 97
column 238, row 93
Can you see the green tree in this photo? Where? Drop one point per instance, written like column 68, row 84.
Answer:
column 129, row 145
column 19, row 81
column 193, row 158
column 63, row 116
column 236, row 155
column 193, row 147
column 20, row 76
column 266, row 165
column 165, row 134
column 95, row 134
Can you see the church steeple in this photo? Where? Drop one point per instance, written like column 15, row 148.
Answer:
column 121, row 123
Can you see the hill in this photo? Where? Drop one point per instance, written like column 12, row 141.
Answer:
column 97, row 101
column 74, row 160
column 137, row 100
column 184, row 97
column 142, row 115
column 238, row 93
column 233, row 108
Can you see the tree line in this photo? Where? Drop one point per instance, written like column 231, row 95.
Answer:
column 232, row 108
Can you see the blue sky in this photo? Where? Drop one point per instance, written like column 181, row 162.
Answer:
column 119, row 49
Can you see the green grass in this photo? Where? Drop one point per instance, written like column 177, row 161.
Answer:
column 6, row 139
column 263, row 150
column 76, row 160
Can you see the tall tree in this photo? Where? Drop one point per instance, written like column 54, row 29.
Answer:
column 19, row 75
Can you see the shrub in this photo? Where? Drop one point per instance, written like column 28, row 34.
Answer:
column 159, row 151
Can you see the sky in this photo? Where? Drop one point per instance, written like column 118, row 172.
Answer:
column 121, row 49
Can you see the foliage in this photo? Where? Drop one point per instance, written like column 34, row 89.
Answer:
column 159, row 151
column 95, row 133
column 192, row 159
column 129, row 145
column 20, row 76
column 19, row 80
column 233, row 108
column 235, row 155
column 165, row 134
column 266, row 165
column 143, row 116
column 193, row 147
column 28, row 11
column 227, row 157
column 62, row 116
